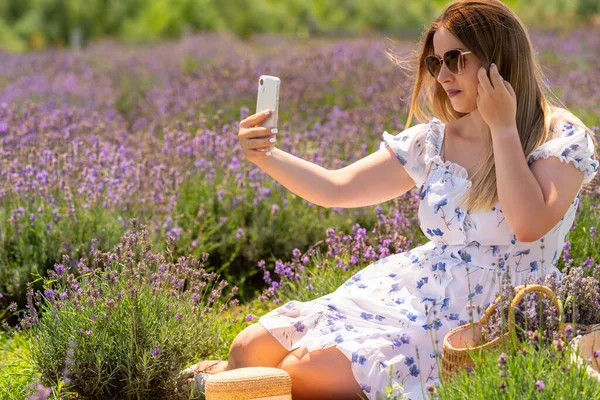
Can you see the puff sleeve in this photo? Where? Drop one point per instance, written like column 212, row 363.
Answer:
column 572, row 144
column 409, row 147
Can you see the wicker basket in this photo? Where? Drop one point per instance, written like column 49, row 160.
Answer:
column 249, row 383
column 459, row 341
column 587, row 344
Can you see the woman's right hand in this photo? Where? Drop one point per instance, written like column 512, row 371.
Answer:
column 254, row 138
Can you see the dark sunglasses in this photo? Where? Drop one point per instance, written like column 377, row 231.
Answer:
column 454, row 60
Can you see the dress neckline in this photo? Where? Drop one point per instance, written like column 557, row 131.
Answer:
column 435, row 140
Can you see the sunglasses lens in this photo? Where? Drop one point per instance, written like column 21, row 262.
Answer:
column 433, row 65
column 452, row 60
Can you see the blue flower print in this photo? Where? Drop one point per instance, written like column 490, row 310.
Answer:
column 462, row 322
column 424, row 192
column 383, row 364
column 478, row 289
column 405, row 338
column 534, row 266
column 392, row 275
column 362, row 286
column 495, row 250
column 366, row 316
column 424, row 299
column 567, row 150
column 399, row 300
column 466, row 257
column 357, row 358
column 435, row 232
column 332, row 307
column 408, row 361
column 437, row 324
column 379, row 317
column 395, row 288
column 340, row 316
column 421, row 282
column 453, row 316
column 522, row 252
column 426, row 326
column 299, row 326
column 438, row 205
column 445, row 304
column 569, row 128
column 414, row 371
column 365, row 388
column 356, row 277
column 459, row 214
column 339, row 338
column 396, row 343
column 414, row 258
column 348, row 327
column 441, row 266
column 412, row 317
column 435, row 353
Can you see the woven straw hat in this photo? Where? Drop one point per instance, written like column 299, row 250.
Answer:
column 251, row 383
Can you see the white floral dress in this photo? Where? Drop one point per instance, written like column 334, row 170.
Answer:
column 377, row 318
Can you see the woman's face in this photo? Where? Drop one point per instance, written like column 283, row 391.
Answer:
column 467, row 81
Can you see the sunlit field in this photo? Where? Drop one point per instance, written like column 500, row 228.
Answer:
column 127, row 201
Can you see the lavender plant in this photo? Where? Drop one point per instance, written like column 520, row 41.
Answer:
column 533, row 372
column 129, row 324
column 579, row 295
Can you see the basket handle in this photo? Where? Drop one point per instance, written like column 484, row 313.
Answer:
column 522, row 290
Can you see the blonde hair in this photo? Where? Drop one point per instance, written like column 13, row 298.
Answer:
column 492, row 32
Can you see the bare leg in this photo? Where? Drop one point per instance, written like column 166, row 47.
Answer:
column 255, row 347
column 324, row 374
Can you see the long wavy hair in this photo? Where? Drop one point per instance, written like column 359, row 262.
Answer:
column 492, row 32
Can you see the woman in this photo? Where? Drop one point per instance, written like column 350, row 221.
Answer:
column 500, row 182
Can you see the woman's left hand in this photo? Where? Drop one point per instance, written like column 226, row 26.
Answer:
column 496, row 99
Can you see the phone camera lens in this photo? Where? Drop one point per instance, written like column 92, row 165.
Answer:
column 261, row 81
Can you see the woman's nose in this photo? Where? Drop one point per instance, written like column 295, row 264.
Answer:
column 444, row 74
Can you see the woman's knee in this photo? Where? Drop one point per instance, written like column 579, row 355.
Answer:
column 255, row 346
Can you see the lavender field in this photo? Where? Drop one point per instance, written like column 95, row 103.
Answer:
column 114, row 139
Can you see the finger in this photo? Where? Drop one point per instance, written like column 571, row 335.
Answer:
column 510, row 88
column 484, row 81
column 259, row 131
column 495, row 76
column 260, row 153
column 255, row 119
column 261, row 142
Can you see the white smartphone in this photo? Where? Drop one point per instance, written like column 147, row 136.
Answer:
column 268, row 97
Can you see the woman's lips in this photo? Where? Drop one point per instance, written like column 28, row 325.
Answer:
column 454, row 93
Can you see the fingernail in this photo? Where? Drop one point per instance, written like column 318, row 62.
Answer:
column 492, row 64
column 266, row 112
column 268, row 153
column 272, row 140
column 274, row 130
